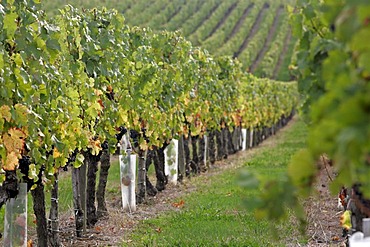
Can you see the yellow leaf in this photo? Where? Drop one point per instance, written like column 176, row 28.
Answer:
column 95, row 147
column 143, row 146
column 56, row 153
column 11, row 162
column 14, row 140
column 5, row 113
column 345, row 220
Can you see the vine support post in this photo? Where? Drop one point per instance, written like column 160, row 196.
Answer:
column 251, row 138
column 366, row 227
column 54, row 217
column 206, row 151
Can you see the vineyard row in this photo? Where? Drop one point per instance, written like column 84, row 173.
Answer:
column 73, row 85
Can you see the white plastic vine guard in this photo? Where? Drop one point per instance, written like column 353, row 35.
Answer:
column 171, row 162
column 357, row 240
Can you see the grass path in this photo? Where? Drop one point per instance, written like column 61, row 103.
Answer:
column 214, row 214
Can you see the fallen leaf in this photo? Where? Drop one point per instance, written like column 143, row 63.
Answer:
column 335, row 238
column 179, row 204
column 98, row 228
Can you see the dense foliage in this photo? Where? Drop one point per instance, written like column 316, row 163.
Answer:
column 333, row 68
column 68, row 84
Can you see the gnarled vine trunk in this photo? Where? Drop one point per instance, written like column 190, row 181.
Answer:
column 103, row 178
column 78, row 212
column 195, row 160
column 38, row 196
column 219, row 142
column 92, row 164
column 225, row 147
column 141, row 195
column 187, row 155
column 182, row 162
column 211, row 147
column 150, row 157
column 159, row 169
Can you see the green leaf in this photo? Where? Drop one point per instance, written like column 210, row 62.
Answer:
column 79, row 161
column 248, row 180
column 301, row 170
column 10, row 24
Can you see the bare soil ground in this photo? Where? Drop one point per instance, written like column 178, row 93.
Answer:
column 322, row 211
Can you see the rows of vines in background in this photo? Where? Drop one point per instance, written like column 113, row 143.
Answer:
column 229, row 27
column 332, row 67
column 283, row 72
column 252, row 48
column 219, row 27
column 262, row 28
column 172, row 11
column 235, row 40
column 51, row 7
column 261, row 108
column 146, row 13
column 208, row 27
column 186, row 11
column 270, row 60
column 198, row 18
